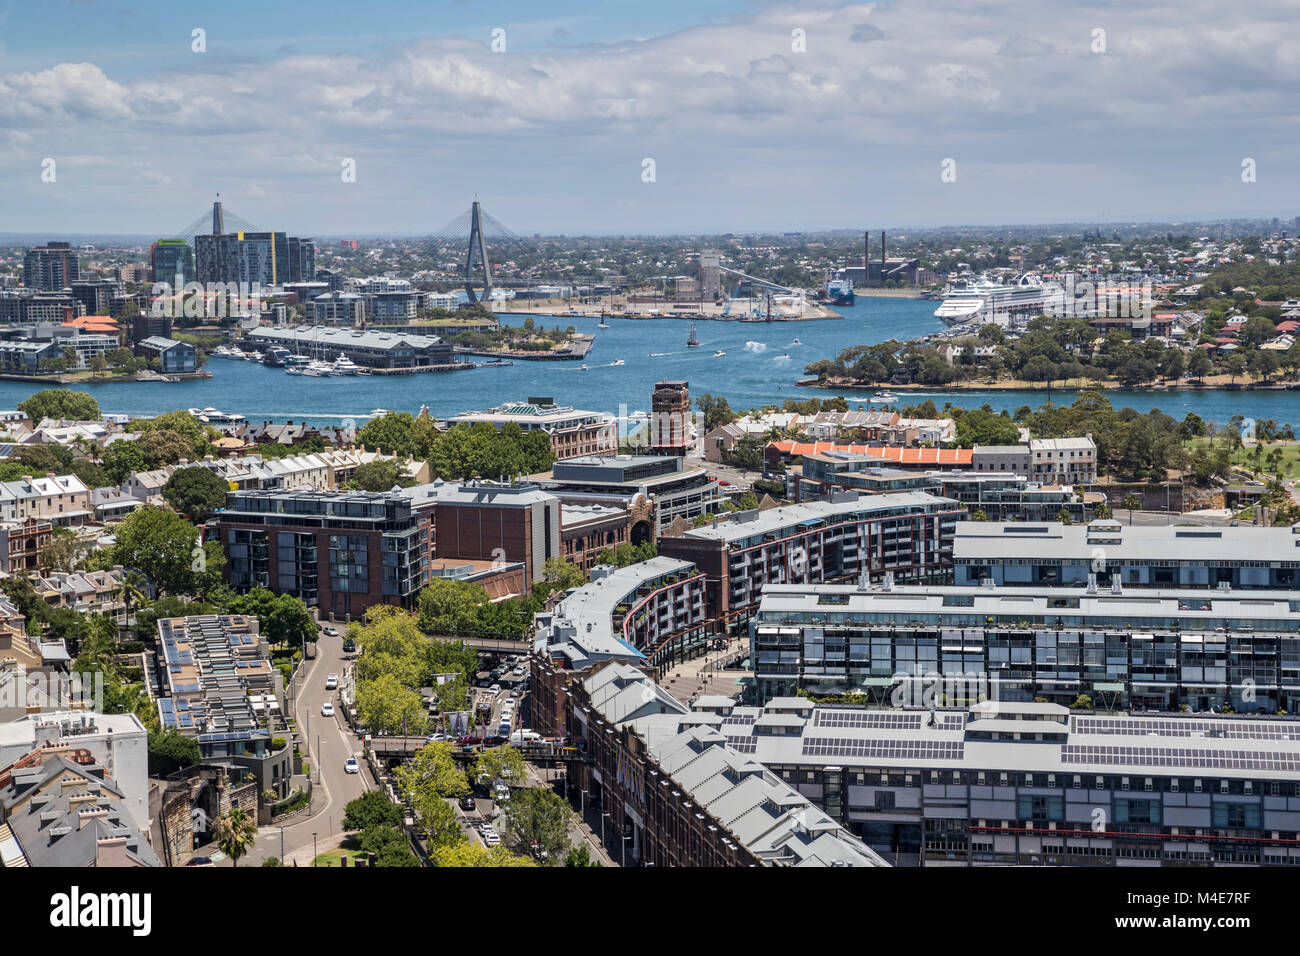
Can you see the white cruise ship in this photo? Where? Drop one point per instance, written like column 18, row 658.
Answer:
column 986, row 302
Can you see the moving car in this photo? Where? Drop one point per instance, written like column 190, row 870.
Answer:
column 467, row 803
column 327, row 709
column 331, row 630
column 332, row 682
column 351, row 766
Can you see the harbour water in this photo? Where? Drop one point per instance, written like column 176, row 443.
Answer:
column 761, row 365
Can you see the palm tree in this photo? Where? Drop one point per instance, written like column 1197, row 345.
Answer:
column 235, row 833
column 1131, row 503
column 133, row 592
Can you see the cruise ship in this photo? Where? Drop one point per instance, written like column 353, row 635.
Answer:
column 986, row 302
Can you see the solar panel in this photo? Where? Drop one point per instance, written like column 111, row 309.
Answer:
column 746, row 744
column 1181, row 757
column 1228, row 729
column 883, row 749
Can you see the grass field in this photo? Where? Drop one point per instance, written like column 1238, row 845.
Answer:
column 1288, row 467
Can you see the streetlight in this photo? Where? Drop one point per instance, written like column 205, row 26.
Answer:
column 282, row 845
column 622, row 857
column 583, row 799
column 603, row 816
column 313, row 849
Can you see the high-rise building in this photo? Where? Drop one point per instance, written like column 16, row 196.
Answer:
column 265, row 258
column 96, row 294
column 50, row 268
column 171, row 259
column 670, row 418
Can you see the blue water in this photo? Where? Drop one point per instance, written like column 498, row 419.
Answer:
column 749, row 376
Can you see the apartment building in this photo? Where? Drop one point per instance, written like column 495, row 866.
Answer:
column 676, row 791
column 490, row 521
column 654, row 490
column 1066, row 461
column 1037, row 785
column 62, row 500
column 846, row 536
column 1164, row 556
column 117, row 742
column 1147, row 648
column 339, row 552
column 653, row 610
column 573, row 432
column 999, row 496
column 219, row 687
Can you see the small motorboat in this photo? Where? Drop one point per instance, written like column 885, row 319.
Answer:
column 719, row 353
column 618, row 362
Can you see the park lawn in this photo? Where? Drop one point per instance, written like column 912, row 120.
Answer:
column 333, row 857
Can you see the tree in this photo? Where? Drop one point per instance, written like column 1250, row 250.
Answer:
column 467, row 854
column 122, row 459
column 284, row 619
column 60, row 403
column 431, row 777
column 99, row 364
column 385, row 706
column 371, row 809
column 450, row 607
column 1199, row 365
column 62, row 553
column 382, row 474
column 1132, row 503
column 389, row 845
column 236, row 833
column 164, row 546
column 716, row 411
column 195, row 492
column 500, row 763
column 580, row 856
column 170, row 751
column 538, row 821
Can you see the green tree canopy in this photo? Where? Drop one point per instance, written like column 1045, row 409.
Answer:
column 195, row 492
column 60, row 403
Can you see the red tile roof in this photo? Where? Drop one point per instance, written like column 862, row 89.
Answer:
column 892, row 454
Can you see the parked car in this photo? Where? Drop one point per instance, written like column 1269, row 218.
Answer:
column 332, row 682
column 330, row 630
column 491, row 839
column 349, row 646
column 500, row 792
column 199, row 861
column 351, row 766
column 496, row 740
column 327, row 709
column 494, row 689
column 468, row 740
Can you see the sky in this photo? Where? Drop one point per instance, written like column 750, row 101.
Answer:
column 651, row 117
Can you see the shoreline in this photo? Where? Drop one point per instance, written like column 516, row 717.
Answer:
column 1074, row 385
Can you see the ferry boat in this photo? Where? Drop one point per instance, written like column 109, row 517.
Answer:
column 985, row 301
column 840, row 292
column 213, row 416
column 294, row 364
column 692, row 337
column 275, row 357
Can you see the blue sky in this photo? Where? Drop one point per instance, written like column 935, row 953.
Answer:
column 757, row 115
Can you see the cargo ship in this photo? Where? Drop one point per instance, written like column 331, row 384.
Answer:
column 840, row 292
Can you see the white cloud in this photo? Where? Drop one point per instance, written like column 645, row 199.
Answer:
column 890, row 87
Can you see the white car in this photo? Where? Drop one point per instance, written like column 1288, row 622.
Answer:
column 327, row 709
column 332, row 682
column 331, row 631
column 351, row 766
column 491, row 839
